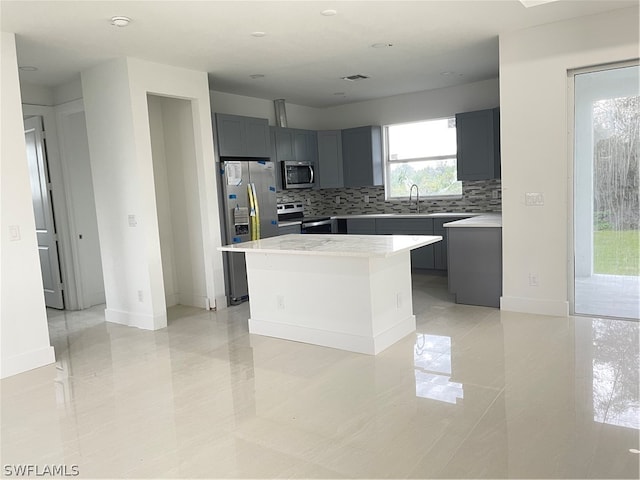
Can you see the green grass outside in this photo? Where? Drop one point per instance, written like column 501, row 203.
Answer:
column 616, row 252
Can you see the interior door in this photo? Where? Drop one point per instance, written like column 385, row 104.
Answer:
column 43, row 210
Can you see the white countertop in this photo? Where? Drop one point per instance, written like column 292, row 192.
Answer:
column 490, row 220
column 335, row 245
column 409, row 215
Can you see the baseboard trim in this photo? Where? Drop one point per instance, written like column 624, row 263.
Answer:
column 139, row 320
column 27, row 361
column 556, row 308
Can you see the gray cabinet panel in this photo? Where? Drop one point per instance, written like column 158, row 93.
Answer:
column 405, row 226
column 330, row 159
column 478, row 142
column 475, row 265
column 362, row 156
column 286, row 230
column 284, row 144
column 257, row 137
column 242, row 136
column 361, row 226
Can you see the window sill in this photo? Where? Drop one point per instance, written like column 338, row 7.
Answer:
column 424, row 199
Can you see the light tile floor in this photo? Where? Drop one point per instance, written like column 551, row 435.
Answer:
column 475, row 393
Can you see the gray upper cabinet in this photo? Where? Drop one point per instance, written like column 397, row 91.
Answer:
column 478, row 138
column 295, row 144
column 330, row 171
column 362, row 156
column 242, row 136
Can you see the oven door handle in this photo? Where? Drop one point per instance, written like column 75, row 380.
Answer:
column 316, row 224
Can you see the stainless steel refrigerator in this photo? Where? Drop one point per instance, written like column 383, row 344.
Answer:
column 249, row 203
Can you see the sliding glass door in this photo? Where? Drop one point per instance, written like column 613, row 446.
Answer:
column 606, row 176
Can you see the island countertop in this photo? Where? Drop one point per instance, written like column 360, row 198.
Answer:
column 491, row 220
column 335, row 245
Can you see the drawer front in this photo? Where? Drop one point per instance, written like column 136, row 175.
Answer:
column 404, row 226
column 361, row 226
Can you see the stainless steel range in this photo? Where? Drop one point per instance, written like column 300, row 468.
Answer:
column 292, row 213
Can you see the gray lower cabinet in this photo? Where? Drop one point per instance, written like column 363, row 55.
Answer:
column 287, row 229
column 361, row 226
column 475, row 265
column 239, row 136
column 362, row 156
column 423, row 257
column 478, row 141
column 440, row 248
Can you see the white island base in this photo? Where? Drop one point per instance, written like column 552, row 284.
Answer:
column 349, row 292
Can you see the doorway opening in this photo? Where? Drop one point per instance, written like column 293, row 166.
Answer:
column 606, row 215
column 177, row 201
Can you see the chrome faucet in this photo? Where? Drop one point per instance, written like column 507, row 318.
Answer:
column 417, row 198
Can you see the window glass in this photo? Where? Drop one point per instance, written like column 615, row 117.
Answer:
column 424, row 154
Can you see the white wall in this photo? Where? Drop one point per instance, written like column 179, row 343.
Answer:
column 534, row 111
column 23, row 321
column 36, row 94
column 115, row 97
column 298, row 116
column 428, row 104
column 177, row 200
column 442, row 102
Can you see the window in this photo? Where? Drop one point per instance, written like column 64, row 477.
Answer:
column 421, row 153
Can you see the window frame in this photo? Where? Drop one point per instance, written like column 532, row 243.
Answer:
column 388, row 162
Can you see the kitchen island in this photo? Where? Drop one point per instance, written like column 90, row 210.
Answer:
column 351, row 292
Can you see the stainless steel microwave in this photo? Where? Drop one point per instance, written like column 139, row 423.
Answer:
column 297, row 174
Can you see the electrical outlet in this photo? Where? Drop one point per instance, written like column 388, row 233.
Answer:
column 140, row 296
column 366, row 199
column 495, row 194
column 533, row 279
column 308, row 201
column 132, row 221
column 337, row 199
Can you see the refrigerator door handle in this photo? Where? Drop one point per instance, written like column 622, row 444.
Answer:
column 257, row 207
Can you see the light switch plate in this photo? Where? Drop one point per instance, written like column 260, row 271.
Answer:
column 533, row 199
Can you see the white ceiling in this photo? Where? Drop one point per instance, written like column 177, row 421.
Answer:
column 303, row 54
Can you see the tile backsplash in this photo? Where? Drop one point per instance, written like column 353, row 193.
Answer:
column 477, row 196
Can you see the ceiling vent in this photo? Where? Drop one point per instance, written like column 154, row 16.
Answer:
column 355, row 78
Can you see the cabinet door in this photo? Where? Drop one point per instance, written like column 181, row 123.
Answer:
column 257, row 137
column 231, row 135
column 301, row 147
column 423, row 257
column 361, row 226
column 330, row 159
column 478, row 141
column 362, row 156
column 440, row 248
column 284, row 144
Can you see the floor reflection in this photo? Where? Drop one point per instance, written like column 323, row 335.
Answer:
column 432, row 361
column 615, row 373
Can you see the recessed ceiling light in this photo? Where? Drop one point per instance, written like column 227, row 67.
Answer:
column 355, row 78
column 329, row 12
column 382, row 45
column 256, row 76
column 258, row 34
column 120, row 21
column 446, row 74
column 535, row 3
column 28, row 68
column 339, row 94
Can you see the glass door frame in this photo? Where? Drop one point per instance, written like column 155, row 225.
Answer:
column 571, row 167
